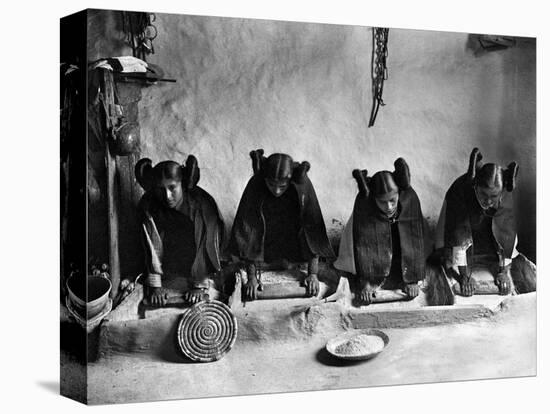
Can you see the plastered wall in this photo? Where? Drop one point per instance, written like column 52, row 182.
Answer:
column 305, row 89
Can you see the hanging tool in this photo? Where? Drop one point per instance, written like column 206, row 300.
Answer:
column 379, row 69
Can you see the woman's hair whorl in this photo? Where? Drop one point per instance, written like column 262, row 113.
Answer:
column 361, row 178
column 191, row 172
column 257, row 160
column 402, row 174
column 300, row 171
column 509, row 176
column 144, row 173
column 475, row 164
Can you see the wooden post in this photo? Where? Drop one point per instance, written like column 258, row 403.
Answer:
column 128, row 191
column 110, row 160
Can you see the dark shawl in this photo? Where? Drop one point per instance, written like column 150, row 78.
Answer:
column 247, row 235
column 462, row 209
column 208, row 228
column 372, row 244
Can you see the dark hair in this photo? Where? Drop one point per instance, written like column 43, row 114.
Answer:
column 490, row 176
column 167, row 170
column 147, row 175
column 382, row 183
column 362, row 178
column 279, row 166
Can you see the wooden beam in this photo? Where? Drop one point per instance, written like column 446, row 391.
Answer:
column 110, row 160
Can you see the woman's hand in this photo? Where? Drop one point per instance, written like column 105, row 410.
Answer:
column 504, row 282
column 251, row 287
column 412, row 290
column 467, row 286
column 195, row 295
column 158, row 296
column 367, row 292
column 467, row 282
column 312, row 285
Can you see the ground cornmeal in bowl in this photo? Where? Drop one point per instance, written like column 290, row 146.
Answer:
column 360, row 345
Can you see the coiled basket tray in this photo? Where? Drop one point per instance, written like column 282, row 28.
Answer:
column 207, row 331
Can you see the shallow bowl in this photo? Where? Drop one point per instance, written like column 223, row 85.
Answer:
column 334, row 343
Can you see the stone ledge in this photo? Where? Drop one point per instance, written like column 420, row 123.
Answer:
column 283, row 320
column 125, row 332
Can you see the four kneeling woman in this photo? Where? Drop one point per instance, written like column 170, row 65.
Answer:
column 279, row 222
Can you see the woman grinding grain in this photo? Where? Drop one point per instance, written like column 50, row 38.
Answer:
column 279, row 222
column 477, row 230
column 383, row 242
column 181, row 229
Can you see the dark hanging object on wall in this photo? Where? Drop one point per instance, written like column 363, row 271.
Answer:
column 379, row 69
column 140, row 32
column 121, row 131
column 490, row 43
column 126, row 138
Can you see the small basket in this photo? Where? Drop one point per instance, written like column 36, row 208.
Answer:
column 207, row 331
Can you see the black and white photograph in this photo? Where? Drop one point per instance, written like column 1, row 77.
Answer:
column 293, row 206
column 253, row 206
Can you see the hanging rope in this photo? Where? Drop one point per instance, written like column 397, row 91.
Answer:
column 379, row 70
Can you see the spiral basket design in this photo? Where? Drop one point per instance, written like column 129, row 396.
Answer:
column 207, row 331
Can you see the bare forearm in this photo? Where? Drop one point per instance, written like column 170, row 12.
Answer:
column 313, row 266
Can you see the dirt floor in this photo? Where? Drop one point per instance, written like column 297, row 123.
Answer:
column 501, row 346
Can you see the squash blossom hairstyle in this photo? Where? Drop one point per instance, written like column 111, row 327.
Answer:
column 147, row 175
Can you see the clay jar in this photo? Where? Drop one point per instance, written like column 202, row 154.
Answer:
column 126, row 138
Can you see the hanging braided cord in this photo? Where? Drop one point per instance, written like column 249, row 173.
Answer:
column 379, row 69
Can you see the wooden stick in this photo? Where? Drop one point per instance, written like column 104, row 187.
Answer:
column 282, row 291
column 482, row 288
column 383, row 296
column 176, row 299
